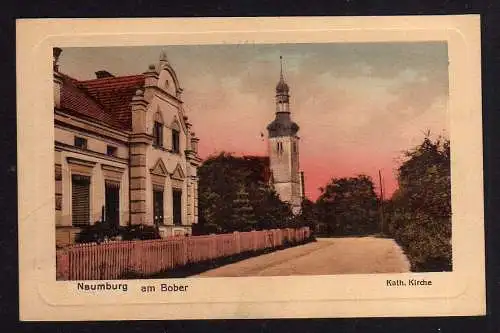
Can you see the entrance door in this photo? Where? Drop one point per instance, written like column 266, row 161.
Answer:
column 177, row 206
column 158, row 206
column 113, row 204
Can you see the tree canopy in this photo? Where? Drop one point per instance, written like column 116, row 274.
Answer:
column 420, row 210
column 349, row 206
column 235, row 195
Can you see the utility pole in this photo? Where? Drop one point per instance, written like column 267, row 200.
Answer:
column 381, row 202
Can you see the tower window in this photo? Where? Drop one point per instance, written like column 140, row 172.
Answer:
column 158, row 134
column 279, row 147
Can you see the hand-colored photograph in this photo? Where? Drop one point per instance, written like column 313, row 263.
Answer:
column 237, row 160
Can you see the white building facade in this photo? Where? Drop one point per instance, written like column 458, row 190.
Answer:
column 125, row 152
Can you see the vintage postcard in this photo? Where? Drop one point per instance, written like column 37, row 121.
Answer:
column 250, row 168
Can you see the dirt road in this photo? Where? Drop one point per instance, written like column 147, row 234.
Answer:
column 363, row 255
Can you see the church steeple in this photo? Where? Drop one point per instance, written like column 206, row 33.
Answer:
column 282, row 124
column 284, row 148
column 282, row 92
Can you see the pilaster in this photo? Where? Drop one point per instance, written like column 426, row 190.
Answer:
column 139, row 142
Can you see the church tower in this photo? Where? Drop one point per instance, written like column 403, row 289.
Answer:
column 283, row 148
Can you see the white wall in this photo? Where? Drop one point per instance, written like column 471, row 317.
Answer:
column 285, row 168
column 94, row 143
column 97, row 185
column 169, row 111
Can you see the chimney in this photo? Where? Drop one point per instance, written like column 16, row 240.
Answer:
column 103, row 74
column 56, row 52
column 58, row 78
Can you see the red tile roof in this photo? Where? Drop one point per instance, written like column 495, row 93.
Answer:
column 106, row 99
column 115, row 95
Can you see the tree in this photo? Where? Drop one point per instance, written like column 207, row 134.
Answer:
column 420, row 210
column 308, row 215
column 349, row 206
column 235, row 194
column 243, row 217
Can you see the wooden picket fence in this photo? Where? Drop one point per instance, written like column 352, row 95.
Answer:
column 112, row 260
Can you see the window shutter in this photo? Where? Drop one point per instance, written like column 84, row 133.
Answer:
column 80, row 200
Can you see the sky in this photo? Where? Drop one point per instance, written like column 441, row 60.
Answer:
column 359, row 105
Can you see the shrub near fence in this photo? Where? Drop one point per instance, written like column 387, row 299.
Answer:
column 114, row 260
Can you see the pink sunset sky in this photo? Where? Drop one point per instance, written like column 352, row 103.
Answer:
column 359, row 106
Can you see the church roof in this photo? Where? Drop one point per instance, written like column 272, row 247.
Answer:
column 104, row 99
column 282, row 88
column 282, row 125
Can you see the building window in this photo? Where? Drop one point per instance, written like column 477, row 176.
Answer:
column 80, row 200
column 111, row 151
column 112, row 201
column 175, row 141
column 158, row 134
column 80, row 142
column 177, row 206
column 158, row 205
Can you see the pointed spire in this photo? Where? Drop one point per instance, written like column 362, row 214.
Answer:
column 163, row 58
column 282, row 87
column 163, row 55
column 281, row 68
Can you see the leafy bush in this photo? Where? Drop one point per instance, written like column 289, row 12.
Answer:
column 140, row 232
column 235, row 195
column 348, row 206
column 205, row 229
column 98, row 232
column 101, row 231
column 419, row 213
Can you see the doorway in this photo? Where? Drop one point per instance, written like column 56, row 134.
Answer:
column 177, row 206
column 112, row 212
column 158, row 206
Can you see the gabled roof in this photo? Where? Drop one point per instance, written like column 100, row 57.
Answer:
column 106, row 100
column 115, row 95
column 77, row 102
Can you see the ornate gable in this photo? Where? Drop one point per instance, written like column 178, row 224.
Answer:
column 168, row 80
column 178, row 173
column 159, row 168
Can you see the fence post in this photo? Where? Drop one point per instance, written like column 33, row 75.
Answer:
column 237, row 245
column 254, row 240
column 185, row 251
column 62, row 264
column 135, row 256
column 213, row 246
